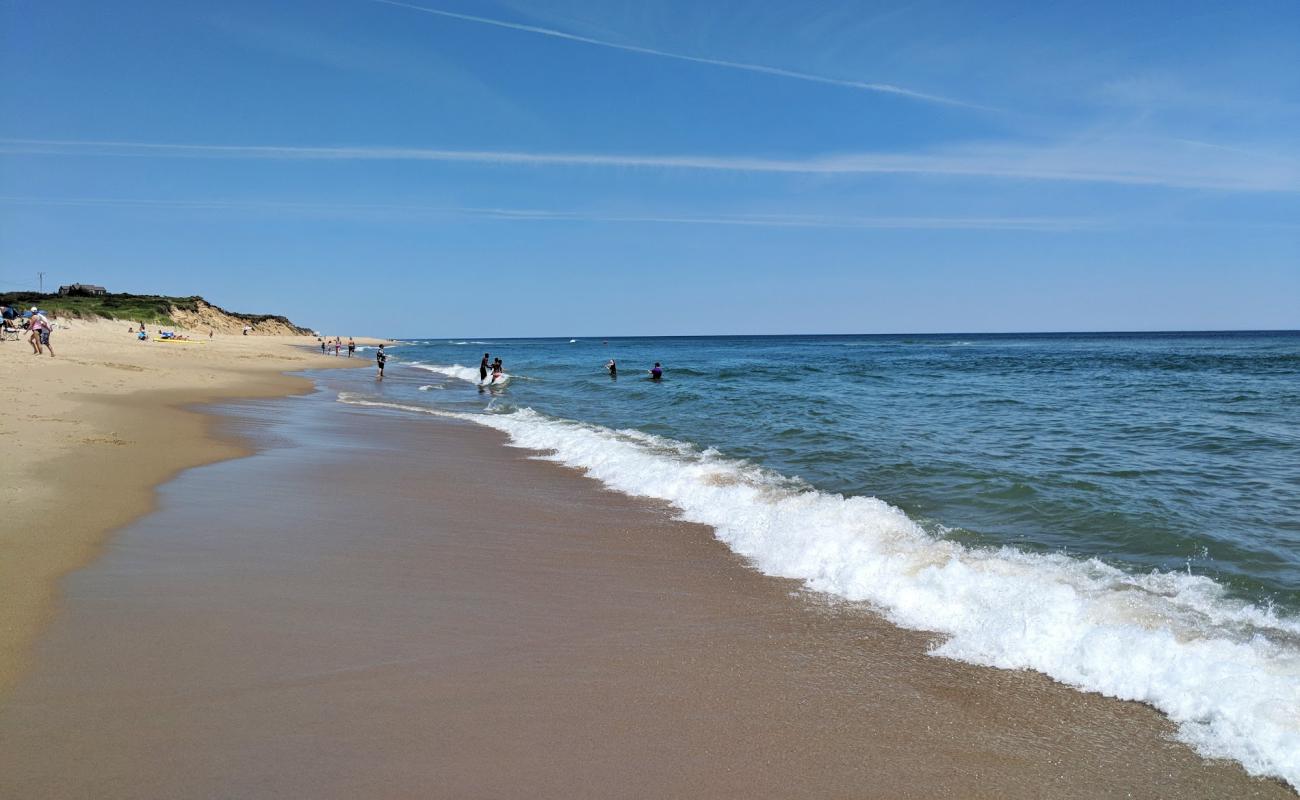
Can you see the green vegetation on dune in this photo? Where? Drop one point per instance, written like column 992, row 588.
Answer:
column 132, row 307
column 148, row 308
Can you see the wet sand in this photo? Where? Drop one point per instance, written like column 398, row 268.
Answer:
column 376, row 606
column 90, row 432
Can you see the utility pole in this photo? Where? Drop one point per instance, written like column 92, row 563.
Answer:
column 40, row 276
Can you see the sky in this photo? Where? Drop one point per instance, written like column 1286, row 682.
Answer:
column 604, row 168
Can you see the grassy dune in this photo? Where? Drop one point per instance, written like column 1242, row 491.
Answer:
column 149, row 308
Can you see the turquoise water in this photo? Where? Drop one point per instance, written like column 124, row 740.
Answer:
column 1149, row 451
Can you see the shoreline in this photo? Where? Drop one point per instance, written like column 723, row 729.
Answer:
column 94, row 432
column 570, row 642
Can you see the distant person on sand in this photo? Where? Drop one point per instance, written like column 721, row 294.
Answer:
column 337, row 345
column 483, row 368
column 657, row 373
column 381, row 358
column 40, row 328
column 322, row 347
column 352, row 347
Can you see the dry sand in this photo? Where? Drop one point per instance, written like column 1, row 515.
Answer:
column 375, row 606
column 89, row 433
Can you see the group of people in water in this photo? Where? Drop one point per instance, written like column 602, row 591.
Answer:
column 337, row 344
column 656, row 372
column 495, row 367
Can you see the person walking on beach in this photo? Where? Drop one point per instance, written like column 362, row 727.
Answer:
column 483, row 368
column 40, row 328
column 322, row 347
column 352, row 347
column 381, row 358
column 337, row 346
column 657, row 373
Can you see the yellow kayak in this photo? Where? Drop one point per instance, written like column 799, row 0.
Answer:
column 177, row 341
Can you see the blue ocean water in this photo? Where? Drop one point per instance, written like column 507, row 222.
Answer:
column 1177, row 452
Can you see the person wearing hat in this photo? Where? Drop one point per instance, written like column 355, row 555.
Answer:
column 40, row 328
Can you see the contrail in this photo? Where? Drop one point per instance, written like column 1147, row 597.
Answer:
column 1043, row 224
column 883, row 88
column 1088, row 164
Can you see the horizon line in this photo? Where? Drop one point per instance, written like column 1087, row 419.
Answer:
column 1154, row 332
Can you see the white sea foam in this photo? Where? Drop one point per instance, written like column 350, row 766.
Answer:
column 463, row 373
column 1225, row 671
column 454, row 371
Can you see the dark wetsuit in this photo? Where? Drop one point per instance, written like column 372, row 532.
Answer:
column 483, row 369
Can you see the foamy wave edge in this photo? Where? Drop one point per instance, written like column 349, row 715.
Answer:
column 1226, row 672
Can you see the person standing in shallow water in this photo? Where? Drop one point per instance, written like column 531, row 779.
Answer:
column 483, row 368
column 352, row 347
column 381, row 358
column 657, row 373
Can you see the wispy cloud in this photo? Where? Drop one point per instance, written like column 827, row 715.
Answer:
column 1165, row 163
column 397, row 210
column 883, row 88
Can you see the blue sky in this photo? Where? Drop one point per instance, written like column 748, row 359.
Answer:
column 602, row 168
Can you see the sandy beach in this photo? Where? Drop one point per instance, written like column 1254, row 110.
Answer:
column 90, row 432
column 377, row 606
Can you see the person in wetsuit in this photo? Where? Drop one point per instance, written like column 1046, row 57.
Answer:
column 613, row 368
column 483, row 368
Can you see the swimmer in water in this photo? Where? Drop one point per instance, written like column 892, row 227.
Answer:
column 657, row 373
column 613, row 368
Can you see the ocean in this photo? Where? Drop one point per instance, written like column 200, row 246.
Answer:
column 1117, row 511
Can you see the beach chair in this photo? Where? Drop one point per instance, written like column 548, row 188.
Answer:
column 9, row 333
